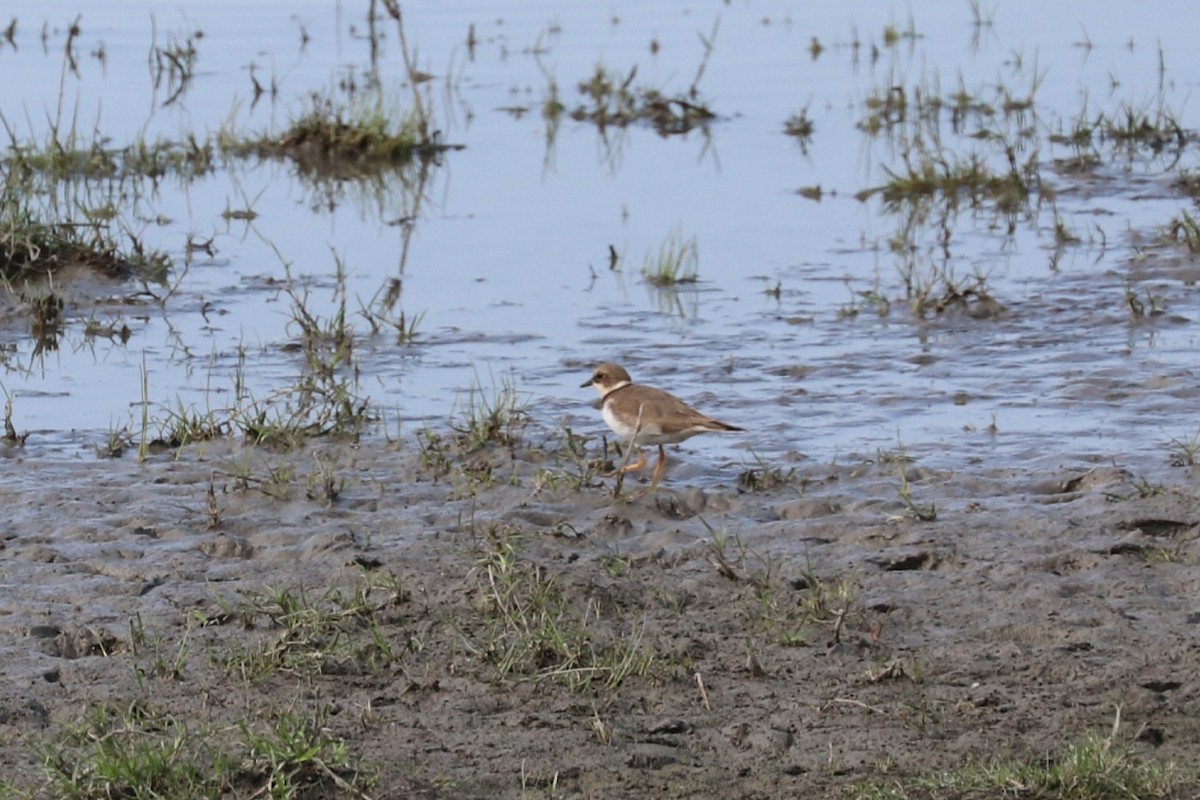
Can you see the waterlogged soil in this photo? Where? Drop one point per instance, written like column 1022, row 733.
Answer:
column 795, row 638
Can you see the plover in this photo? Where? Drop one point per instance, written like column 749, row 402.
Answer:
column 645, row 415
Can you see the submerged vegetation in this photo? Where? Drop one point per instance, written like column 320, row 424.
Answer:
column 611, row 100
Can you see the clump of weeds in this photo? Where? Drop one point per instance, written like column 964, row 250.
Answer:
column 115, row 443
column 1153, row 128
column 762, row 477
column 1142, row 309
column 935, row 290
column 924, row 512
column 873, row 299
column 899, row 461
column 435, row 451
column 345, row 136
column 132, row 750
column 800, row 127
column 956, row 180
column 611, row 100
column 36, row 242
column 183, row 426
column 574, row 465
column 46, row 323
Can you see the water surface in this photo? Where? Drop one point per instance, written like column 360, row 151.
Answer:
column 508, row 260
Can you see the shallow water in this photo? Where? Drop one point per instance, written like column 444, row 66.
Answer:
column 508, row 260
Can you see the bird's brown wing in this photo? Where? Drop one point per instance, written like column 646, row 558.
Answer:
column 677, row 416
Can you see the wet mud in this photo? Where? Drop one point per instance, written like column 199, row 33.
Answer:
column 798, row 640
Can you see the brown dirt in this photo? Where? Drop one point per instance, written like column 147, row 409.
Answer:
column 1022, row 618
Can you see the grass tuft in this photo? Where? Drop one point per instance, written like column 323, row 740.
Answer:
column 676, row 261
column 1185, row 230
column 346, row 136
column 496, row 418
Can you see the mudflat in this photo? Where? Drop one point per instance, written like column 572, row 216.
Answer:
column 402, row 620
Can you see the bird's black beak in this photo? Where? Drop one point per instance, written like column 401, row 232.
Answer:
column 587, row 383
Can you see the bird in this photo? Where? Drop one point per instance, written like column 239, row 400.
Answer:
column 646, row 415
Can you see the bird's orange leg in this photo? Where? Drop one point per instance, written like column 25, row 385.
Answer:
column 658, row 468
column 641, row 463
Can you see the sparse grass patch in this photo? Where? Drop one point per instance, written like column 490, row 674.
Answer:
column 1188, row 182
column 435, row 454
column 135, row 750
column 898, row 461
column 325, row 399
column 296, row 757
column 339, row 632
column 575, row 466
column 150, row 652
column 184, row 425
column 956, row 179
column 924, row 512
column 382, row 313
column 892, row 35
column 1095, row 768
column 114, row 330
column 534, row 630
column 132, row 750
column 1141, row 309
column 115, row 443
column 1153, row 128
column 793, row 611
column 46, row 319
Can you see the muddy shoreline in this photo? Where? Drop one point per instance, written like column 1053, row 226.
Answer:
column 795, row 641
